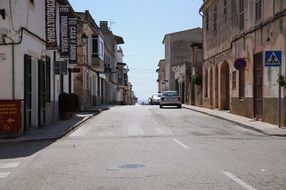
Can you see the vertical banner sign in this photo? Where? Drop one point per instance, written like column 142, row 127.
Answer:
column 64, row 31
column 50, row 17
column 73, row 40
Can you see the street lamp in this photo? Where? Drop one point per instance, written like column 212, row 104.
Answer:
column 84, row 39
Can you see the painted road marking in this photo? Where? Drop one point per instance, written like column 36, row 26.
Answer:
column 80, row 132
column 106, row 133
column 239, row 181
column 163, row 131
column 181, row 144
column 135, row 130
column 4, row 174
column 9, row 165
column 156, row 123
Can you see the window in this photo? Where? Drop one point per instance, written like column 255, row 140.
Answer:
column 207, row 21
column 97, row 47
column 225, row 8
column 234, row 80
column 32, row 2
column 241, row 14
column 32, row 5
column 257, row 10
column 215, row 18
column 241, row 84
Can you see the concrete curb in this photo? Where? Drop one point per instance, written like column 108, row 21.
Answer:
column 64, row 133
column 237, row 123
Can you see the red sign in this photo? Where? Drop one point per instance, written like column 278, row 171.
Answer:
column 240, row 63
column 10, row 116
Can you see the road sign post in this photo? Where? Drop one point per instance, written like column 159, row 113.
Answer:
column 274, row 59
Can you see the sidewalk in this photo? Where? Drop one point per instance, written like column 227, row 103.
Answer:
column 56, row 129
column 262, row 127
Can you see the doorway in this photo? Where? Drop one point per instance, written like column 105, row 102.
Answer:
column 27, row 92
column 211, row 87
column 42, row 96
column 257, row 85
column 224, row 86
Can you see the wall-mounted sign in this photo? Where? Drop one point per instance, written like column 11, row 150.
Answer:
column 50, row 17
column 74, row 70
column 273, row 58
column 60, row 67
column 10, row 116
column 64, row 31
column 240, row 63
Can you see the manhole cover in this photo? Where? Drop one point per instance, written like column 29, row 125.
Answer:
column 131, row 166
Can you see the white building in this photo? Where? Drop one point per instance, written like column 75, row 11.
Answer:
column 26, row 66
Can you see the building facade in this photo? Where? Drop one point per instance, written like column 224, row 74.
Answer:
column 178, row 60
column 29, row 61
column 46, row 50
column 161, row 76
column 236, row 35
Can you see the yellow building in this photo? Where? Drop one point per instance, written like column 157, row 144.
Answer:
column 236, row 35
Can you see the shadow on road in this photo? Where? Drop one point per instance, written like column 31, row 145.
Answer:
column 170, row 107
column 23, row 149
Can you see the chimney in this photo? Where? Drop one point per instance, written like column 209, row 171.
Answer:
column 104, row 25
column 86, row 14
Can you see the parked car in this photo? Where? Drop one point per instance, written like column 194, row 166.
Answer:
column 155, row 99
column 170, row 98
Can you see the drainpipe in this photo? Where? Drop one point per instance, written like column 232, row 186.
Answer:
column 13, row 64
column 13, row 71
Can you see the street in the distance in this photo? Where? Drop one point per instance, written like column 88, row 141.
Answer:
column 145, row 147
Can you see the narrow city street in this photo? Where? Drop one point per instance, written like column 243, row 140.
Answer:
column 145, row 147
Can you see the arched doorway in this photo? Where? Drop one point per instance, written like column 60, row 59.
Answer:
column 224, row 86
column 216, row 86
column 206, row 83
column 211, row 87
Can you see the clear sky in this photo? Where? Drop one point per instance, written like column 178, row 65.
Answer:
column 143, row 25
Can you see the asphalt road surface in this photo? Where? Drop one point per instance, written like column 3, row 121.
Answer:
column 148, row 148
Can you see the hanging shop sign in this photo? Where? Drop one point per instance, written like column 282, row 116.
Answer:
column 240, row 63
column 64, row 31
column 73, row 40
column 50, row 18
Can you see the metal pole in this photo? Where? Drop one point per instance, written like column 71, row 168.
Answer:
column 13, row 71
column 69, row 70
column 279, row 101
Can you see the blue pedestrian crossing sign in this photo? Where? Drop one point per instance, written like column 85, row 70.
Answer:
column 273, row 58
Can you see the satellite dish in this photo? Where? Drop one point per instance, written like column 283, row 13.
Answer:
column 175, row 69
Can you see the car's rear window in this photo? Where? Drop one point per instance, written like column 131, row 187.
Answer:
column 170, row 93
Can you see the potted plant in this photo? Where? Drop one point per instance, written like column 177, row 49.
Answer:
column 75, row 100
column 281, row 81
column 66, row 105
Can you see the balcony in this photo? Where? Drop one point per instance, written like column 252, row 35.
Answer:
column 97, row 64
